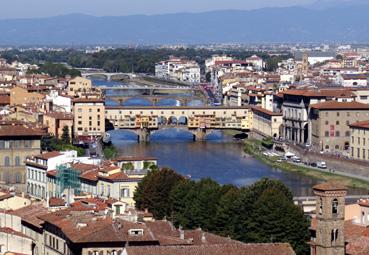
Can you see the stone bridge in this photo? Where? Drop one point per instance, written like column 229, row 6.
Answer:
column 200, row 121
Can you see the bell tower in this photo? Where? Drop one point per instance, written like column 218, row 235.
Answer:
column 330, row 216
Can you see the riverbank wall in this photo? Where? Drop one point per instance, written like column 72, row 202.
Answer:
column 338, row 164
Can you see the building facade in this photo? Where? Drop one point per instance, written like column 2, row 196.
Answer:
column 330, row 124
column 89, row 117
column 17, row 141
column 359, row 140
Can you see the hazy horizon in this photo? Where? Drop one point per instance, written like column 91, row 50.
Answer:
column 46, row 8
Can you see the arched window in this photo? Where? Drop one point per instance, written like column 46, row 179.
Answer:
column 6, row 161
column 18, row 178
column 17, row 161
column 335, row 206
column 321, row 206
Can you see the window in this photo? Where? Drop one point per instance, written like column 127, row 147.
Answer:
column 337, row 147
column 338, row 114
column 358, row 152
column 347, row 122
column 90, row 110
column 6, row 161
column 335, row 206
column 326, row 134
column 327, row 122
column 363, row 97
column 352, row 139
column 334, row 235
column 347, row 133
column 337, row 122
column 79, row 109
column 321, row 206
column 364, row 153
column 17, row 161
column 124, row 192
column 338, row 134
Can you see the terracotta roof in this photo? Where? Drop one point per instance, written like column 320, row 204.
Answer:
column 360, row 124
column 4, row 99
column 13, row 232
column 31, row 214
column 90, row 175
column 14, row 128
column 84, row 167
column 359, row 246
column 51, row 173
column 319, row 92
column 116, row 177
column 218, row 249
column 270, row 113
column 88, row 100
column 364, row 202
column 49, row 155
column 334, row 105
column 329, row 186
column 56, row 202
column 60, row 115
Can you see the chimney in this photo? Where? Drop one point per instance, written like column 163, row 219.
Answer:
column 181, row 233
column 203, row 238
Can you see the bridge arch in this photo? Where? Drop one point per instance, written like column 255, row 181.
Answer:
column 172, row 120
column 183, row 120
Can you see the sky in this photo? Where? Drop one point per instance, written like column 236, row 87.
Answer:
column 46, row 8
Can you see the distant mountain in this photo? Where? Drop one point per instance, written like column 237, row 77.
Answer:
column 290, row 24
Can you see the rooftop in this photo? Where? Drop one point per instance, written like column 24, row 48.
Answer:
column 329, row 186
column 361, row 124
column 334, row 105
column 217, row 249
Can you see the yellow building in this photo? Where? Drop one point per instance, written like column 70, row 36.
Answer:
column 267, row 123
column 89, row 117
column 359, row 141
column 20, row 95
column 17, row 141
column 78, row 85
column 56, row 121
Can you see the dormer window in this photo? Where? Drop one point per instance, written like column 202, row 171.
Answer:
column 136, row 232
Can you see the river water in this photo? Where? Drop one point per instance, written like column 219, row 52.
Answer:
column 219, row 157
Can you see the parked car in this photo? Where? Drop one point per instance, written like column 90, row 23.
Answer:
column 313, row 164
column 296, row 159
column 321, row 164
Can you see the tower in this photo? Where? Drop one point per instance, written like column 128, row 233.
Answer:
column 330, row 216
column 305, row 64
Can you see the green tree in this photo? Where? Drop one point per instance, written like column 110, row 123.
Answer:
column 48, row 143
column 276, row 219
column 195, row 203
column 226, row 211
column 153, row 191
column 65, row 137
column 127, row 166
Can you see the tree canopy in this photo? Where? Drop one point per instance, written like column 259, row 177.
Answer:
column 262, row 212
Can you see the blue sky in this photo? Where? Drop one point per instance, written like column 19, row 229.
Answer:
column 44, row 8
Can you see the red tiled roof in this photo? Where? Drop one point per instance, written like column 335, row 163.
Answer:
column 14, row 128
column 334, row 105
column 270, row 113
column 360, row 124
column 320, row 93
column 329, row 186
column 60, row 115
column 49, row 155
column 88, row 100
column 55, row 202
column 13, row 232
column 217, row 249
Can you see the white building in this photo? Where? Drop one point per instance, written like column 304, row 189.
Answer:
column 352, row 80
column 60, row 103
column 256, row 62
column 178, row 69
column 38, row 166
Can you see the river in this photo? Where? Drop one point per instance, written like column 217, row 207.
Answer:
column 219, row 157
